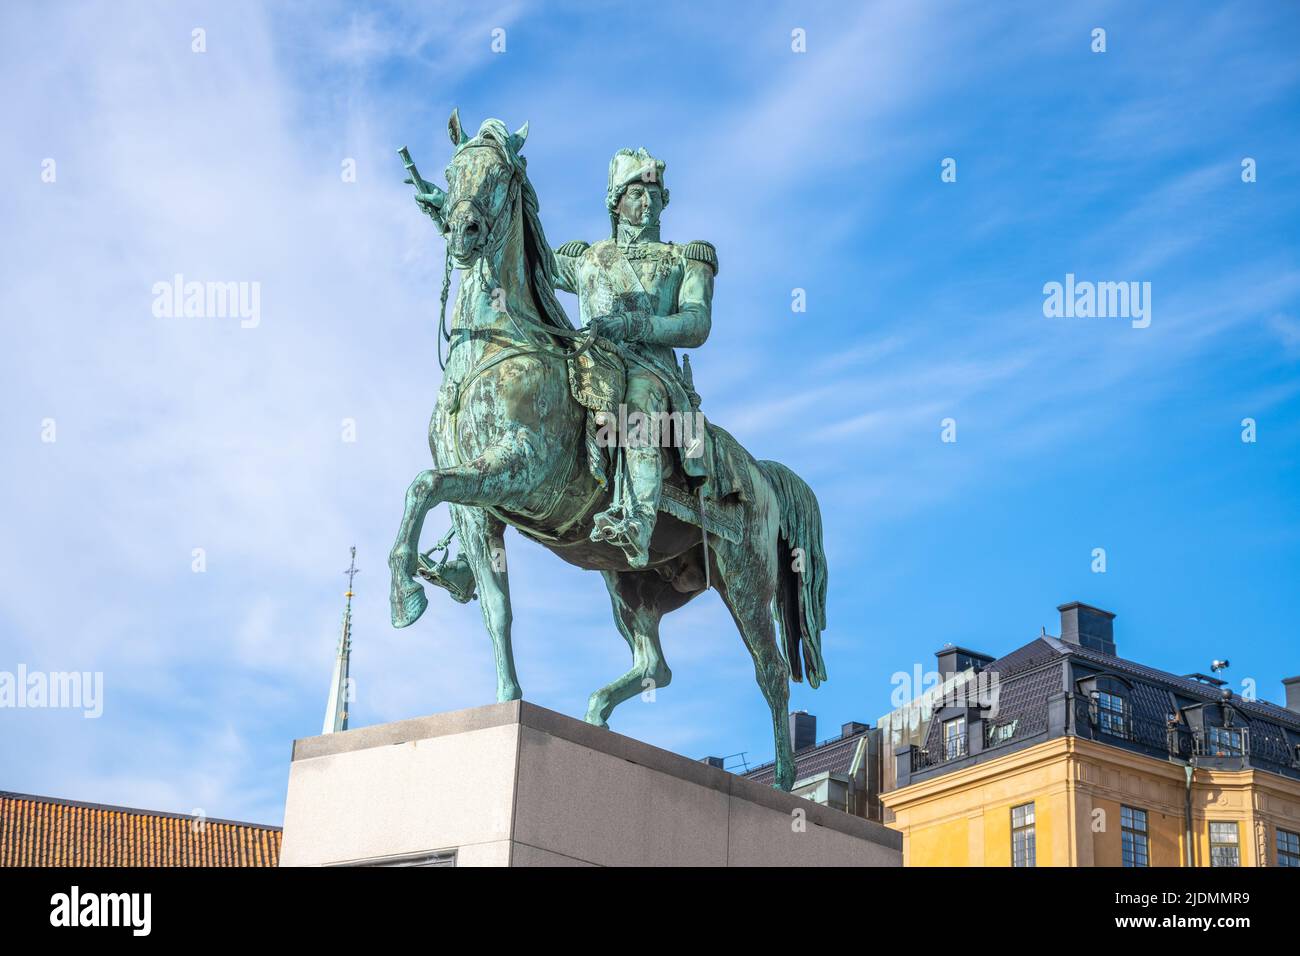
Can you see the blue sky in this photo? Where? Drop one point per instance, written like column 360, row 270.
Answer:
column 816, row 170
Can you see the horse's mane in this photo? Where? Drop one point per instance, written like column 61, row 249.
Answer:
column 541, row 261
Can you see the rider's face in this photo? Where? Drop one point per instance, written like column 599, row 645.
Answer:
column 641, row 204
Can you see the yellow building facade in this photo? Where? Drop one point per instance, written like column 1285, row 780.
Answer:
column 1063, row 753
column 1082, row 796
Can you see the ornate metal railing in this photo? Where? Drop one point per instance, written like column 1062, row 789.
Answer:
column 1167, row 736
column 952, row 748
column 1178, row 740
column 923, row 758
column 956, row 746
column 994, row 732
column 1271, row 745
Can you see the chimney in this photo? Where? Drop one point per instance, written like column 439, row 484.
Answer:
column 1292, row 685
column 853, row 727
column 803, row 730
column 954, row 660
column 1086, row 626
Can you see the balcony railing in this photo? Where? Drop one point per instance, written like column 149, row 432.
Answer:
column 992, row 733
column 1179, row 740
column 1168, row 737
column 955, row 746
column 949, row 748
column 1271, row 746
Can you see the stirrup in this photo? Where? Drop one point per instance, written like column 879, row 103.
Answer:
column 627, row 536
column 455, row 576
column 606, row 524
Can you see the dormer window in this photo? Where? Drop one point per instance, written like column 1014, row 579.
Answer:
column 1111, row 704
column 1001, row 733
column 1112, row 717
column 954, row 738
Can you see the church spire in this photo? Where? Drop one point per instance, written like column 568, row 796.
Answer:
column 336, row 709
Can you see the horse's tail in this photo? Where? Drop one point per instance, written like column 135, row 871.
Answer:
column 800, row 602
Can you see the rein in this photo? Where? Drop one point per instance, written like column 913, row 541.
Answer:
column 444, row 335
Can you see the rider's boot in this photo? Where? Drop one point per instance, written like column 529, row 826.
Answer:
column 645, row 477
column 629, row 523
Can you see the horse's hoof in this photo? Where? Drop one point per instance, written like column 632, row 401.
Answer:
column 408, row 606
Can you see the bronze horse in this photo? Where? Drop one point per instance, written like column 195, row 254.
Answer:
column 508, row 442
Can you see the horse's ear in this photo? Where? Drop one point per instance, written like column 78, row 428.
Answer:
column 454, row 131
column 518, row 137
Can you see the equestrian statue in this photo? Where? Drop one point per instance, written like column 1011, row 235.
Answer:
column 590, row 441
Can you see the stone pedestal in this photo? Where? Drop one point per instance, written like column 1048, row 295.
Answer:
column 516, row 785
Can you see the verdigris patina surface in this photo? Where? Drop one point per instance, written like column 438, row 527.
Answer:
column 590, row 440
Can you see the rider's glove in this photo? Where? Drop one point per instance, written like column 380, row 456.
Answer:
column 630, row 327
column 431, row 203
column 612, row 327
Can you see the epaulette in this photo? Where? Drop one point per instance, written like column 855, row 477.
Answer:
column 702, row 251
column 575, row 248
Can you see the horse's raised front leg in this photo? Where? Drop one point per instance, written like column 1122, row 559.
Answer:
column 482, row 540
column 406, row 595
column 499, row 475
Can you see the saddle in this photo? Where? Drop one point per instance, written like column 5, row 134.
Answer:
column 598, row 382
column 711, row 480
column 598, row 378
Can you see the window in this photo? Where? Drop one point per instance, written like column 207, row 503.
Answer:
column 1224, row 847
column 1133, row 836
column 954, row 738
column 1110, row 714
column 1022, row 835
column 1225, row 742
column 1001, row 733
column 1288, row 848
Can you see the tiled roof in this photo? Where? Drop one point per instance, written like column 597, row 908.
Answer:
column 1046, row 647
column 1025, row 686
column 1025, row 657
column 1186, row 686
column 45, row 831
column 834, row 756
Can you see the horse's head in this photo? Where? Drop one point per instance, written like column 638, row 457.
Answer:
column 483, row 180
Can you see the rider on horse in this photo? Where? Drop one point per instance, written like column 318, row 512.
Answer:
column 646, row 296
